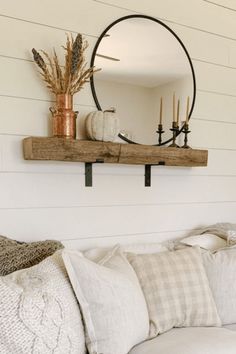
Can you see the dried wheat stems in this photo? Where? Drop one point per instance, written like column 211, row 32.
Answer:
column 70, row 78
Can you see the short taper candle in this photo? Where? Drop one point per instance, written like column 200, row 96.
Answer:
column 174, row 107
column 187, row 111
column 161, row 111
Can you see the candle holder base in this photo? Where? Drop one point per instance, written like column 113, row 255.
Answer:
column 175, row 131
column 186, row 132
column 160, row 131
column 174, row 145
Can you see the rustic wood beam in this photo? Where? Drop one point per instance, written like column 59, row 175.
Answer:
column 60, row 149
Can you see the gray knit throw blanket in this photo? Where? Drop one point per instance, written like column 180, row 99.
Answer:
column 16, row 255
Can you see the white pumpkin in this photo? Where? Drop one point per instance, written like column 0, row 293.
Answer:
column 102, row 126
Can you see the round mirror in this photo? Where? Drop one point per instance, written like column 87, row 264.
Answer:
column 146, row 75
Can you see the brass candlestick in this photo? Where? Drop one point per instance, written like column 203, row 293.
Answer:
column 175, row 130
column 186, row 132
column 160, row 131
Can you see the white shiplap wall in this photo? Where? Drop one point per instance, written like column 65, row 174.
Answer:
column 48, row 200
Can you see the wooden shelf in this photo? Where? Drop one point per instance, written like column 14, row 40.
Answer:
column 60, row 149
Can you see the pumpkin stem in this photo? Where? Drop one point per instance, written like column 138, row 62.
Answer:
column 112, row 110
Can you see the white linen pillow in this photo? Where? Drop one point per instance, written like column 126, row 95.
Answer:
column 206, row 241
column 221, row 270
column 112, row 303
column 176, row 289
column 97, row 254
column 39, row 312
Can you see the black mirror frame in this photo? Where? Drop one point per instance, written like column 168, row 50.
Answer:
column 181, row 43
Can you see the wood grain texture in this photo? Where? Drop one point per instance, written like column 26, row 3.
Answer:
column 60, row 149
column 221, row 162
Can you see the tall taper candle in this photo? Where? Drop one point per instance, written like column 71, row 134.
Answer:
column 178, row 104
column 187, row 111
column 174, row 107
column 161, row 111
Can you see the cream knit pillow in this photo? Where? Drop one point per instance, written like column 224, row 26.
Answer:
column 176, row 289
column 39, row 312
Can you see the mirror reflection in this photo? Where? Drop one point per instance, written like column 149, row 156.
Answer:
column 143, row 64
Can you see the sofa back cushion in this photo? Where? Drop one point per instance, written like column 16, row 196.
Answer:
column 176, row 289
column 191, row 340
column 111, row 300
column 206, row 241
column 221, row 269
column 97, row 254
column 39, row 312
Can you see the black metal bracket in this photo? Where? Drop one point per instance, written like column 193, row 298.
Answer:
column 89, row 172
column 148, row 172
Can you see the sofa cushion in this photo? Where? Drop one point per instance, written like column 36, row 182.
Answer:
column 206, row 241
column 223, row 229
column 39, row 312
column 221, row 269
column 16, row 255
column 190, row 341
column 96, row 254
column 176, row 289
column 111, row 300
column 232, row 327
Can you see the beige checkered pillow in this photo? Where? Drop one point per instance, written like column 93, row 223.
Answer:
column 176, row 289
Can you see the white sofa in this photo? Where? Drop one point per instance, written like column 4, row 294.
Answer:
column 220, row 267
column 39, row 313
column 193, row 340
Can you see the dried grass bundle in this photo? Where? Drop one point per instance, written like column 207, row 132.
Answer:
column 70, row 78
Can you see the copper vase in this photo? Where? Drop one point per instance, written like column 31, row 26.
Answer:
column 63, row 117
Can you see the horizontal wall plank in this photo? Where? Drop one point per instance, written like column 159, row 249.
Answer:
column 1, row 154
column 67, row 19
column 87, row 243
column 32, row 35
column 30, row 117
column 43, row 190
column 21, row 79
column 73, row 223
column 86, row 16
column 227, row 3
column 212, row 134
column 166, row 10
column 196, row 42
column 211, row 106
column 42, row 37
column 215, row 78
